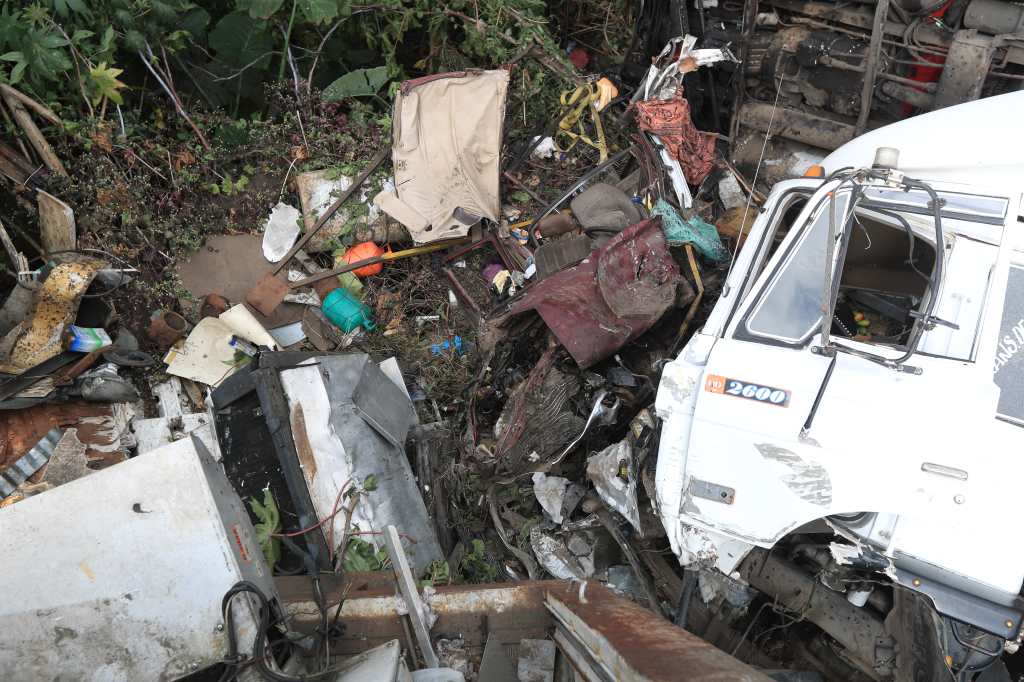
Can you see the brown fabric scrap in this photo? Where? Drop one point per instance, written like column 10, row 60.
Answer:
column 670, row 120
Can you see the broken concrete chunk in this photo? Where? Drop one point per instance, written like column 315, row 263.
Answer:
column 568, row 557
column 536, row 660
column 730, row 192
column 280, row 231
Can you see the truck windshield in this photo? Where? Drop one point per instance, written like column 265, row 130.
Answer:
column 790, row 309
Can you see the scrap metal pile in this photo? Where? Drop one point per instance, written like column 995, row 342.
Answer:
column 467, row 393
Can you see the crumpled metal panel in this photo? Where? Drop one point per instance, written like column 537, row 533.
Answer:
column 397, row 500
column 608, row 637
column 383, row 405
column 611, row 298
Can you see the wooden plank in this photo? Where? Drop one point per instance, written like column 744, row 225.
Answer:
column 56, row 223
column 32, row 132
column 407, row 586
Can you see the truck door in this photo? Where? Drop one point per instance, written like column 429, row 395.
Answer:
column 759, row 384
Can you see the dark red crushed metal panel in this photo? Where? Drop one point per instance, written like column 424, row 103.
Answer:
column 638, row 645
column 612, row 297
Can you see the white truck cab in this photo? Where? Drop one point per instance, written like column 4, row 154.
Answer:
column 860, row 383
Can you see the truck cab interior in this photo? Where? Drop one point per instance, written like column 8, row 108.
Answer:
column 885, row 276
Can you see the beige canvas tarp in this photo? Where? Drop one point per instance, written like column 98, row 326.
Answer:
column 447, row 147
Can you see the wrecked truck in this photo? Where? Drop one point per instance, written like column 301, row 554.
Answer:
column 842, row 437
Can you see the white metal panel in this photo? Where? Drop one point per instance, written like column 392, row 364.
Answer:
column 968, row 276
column 120, row 575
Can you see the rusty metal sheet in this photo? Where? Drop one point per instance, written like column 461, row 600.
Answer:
column 98, row 426
column 370, row 612
column 303, row 448
column 611, row 298
column 622, row 641
column 55, row 307
column 634, row 643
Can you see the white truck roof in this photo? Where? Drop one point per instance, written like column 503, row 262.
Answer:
column 977, row 143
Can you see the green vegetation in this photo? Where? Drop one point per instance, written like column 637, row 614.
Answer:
column 220, row 52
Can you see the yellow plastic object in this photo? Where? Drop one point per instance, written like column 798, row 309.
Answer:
column 606, row 91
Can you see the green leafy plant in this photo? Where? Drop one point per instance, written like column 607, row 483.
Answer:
column 228, row 186
column 103, row 83
column 358, row 83
column 438, row 573
column 362, row 556
column 270, row 523
column 228, row 49
column 476, row 567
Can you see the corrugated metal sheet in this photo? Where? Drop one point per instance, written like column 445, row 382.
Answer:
column 31, row 462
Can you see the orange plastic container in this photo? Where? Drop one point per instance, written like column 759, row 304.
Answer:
column 362, row 251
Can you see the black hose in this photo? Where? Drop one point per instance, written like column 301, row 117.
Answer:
column 690, row 576
column 259, row 659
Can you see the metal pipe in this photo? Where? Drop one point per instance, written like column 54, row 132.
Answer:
column 859, row 631
column 994, row 16
column 793, row 124
column 906, row 93
column 870, row 67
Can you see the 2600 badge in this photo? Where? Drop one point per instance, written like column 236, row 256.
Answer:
column 745, row 389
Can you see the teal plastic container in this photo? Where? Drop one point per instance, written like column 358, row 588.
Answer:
column 346, row 311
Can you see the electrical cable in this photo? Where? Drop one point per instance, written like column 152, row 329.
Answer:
column 335, row 511
column 757, row 170
column 261, row 644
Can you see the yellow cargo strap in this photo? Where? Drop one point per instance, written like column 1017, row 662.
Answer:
column 580, row 100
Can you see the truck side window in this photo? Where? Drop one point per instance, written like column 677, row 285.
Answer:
column 789, row 307
column 783, row 218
